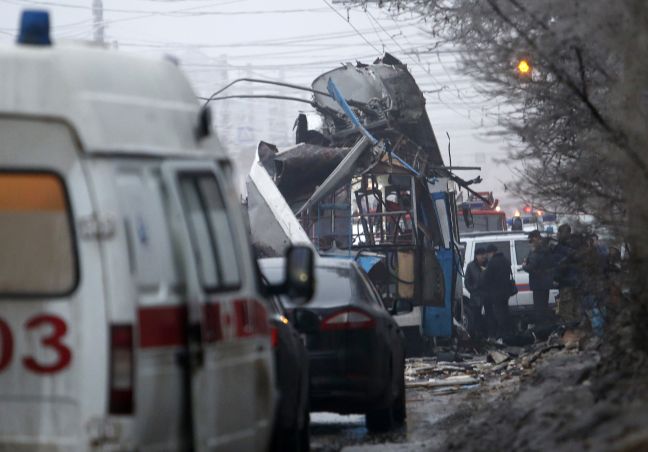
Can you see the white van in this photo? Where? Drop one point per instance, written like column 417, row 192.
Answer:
column 515, row 246
column 130, row 317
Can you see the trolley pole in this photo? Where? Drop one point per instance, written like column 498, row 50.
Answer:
column 98, row 22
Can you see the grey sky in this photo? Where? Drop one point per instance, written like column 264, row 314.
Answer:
column 292, row 39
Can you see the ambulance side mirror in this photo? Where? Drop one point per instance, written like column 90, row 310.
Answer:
column 300, row 273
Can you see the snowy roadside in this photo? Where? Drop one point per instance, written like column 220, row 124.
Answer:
column 560, row 396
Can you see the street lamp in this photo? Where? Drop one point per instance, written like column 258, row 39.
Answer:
column 524, row 67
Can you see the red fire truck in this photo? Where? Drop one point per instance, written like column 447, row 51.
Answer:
column 485, row 212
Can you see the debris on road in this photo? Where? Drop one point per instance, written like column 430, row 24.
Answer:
column 458, row 380
column 497, row 357
column 432, row 374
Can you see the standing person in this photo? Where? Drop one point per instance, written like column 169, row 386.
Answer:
column 593, row 288
column 539, row 265
column 601, row 250
column 497, row 289
column 566, row 274
column 474, row 282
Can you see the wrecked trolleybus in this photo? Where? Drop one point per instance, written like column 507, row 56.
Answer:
column 371, row 185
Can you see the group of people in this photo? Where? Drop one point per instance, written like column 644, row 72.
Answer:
column 588, row 276
column 490, row 283
column 581, row 268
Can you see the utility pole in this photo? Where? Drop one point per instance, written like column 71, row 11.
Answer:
column 98, row 23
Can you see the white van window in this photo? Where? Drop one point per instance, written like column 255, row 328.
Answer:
column 211, row 232
column 37, row 256
column 522, row 249
column 503, row 246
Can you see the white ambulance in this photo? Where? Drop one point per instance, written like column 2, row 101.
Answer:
column 130, row 316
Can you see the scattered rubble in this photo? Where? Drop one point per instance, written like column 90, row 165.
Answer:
column 565, row 397
column 570, row 392
column 472, row 369
column 497, row 357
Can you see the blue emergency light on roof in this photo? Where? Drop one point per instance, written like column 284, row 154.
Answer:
column 34, row 28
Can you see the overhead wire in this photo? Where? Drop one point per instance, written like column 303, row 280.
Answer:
column 181, row 12
column 293, row 41
column 451, row 78
column 398, row 45
column 422, row 67
column 137, row 17
column 352, row 26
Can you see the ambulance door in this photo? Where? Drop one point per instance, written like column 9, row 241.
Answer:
column 146, row 304
column 52, row 316
column 229, row 368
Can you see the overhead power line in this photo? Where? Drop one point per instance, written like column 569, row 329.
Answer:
column 179, row 13
column 352, row 26
column 426, row 70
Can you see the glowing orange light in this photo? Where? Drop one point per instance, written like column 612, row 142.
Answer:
column 517, row 213
column 524, row 67
column 498, row 209
column 539, row 213
column 527, row 209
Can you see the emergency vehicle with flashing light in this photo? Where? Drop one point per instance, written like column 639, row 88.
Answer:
column 130, row 314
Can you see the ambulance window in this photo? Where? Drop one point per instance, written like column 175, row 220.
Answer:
column 37, row 256
column 222, row 230
column 212, row 234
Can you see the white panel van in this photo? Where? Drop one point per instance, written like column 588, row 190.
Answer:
column 515, row 247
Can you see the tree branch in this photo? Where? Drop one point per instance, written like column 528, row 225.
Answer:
column 619, row 137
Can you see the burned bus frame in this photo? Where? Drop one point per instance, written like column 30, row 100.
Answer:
column 371, row 185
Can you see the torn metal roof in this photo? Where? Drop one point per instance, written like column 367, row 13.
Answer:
column 394, row 109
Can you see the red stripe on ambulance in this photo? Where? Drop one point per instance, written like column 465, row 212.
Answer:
column 251, row 318
column 162, row 326
column 165, row 326
column 213, row 326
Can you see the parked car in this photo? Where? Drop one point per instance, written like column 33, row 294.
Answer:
column 515, row 246
column 355, row 347
column 130, row 311
column 291, row 428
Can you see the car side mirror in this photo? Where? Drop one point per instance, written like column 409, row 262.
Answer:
column 401, row 307
column 300, row 273
column 467, row 215
column 305, row 320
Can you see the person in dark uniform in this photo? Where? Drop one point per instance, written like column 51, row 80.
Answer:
column 497, row 291
column 474, row 282
column 539, row 265
column 567, row 274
